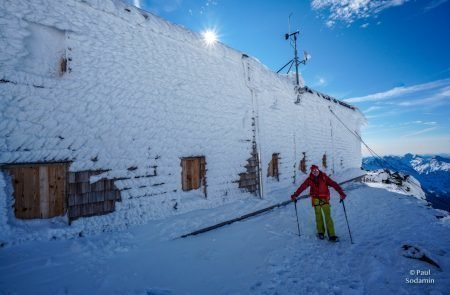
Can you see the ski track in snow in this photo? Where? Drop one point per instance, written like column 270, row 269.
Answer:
column 262, row 255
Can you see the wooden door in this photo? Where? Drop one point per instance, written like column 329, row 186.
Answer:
column 192, row 173
column 272, row 170
column 275, row 165
column 39, row 190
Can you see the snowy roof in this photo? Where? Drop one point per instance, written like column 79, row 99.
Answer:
column 196, row 36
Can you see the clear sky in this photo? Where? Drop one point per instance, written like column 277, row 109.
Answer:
column 390, row 58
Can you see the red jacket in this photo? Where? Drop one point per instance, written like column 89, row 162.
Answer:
column 319, row 187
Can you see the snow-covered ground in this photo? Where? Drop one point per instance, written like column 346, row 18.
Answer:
column 261, row 255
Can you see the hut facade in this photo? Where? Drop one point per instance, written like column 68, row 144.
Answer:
column 105, row 108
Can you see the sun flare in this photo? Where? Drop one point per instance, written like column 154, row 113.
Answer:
column 210, row 37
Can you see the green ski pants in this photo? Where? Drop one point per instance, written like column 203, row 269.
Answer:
column 319, row 207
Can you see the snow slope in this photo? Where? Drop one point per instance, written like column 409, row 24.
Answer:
column 262, row 255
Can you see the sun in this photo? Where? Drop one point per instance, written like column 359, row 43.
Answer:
column 210, row 37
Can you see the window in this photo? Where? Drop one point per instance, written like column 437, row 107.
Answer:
column 39, row 190
column 193, row 173
column 272, row 171
column 46, row 47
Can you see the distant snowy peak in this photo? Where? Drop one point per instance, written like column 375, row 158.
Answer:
column 420, row 163
column 427, row 165
column 432, row 171
column 395, row 182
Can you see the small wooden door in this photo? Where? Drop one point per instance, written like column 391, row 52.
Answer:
column 39, row 190
column 273, row 167
column 193, row 172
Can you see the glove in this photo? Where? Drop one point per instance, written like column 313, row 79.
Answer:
column 293, row 198
column 342, row 198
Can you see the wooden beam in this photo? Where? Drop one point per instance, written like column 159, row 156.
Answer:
column 44, row 192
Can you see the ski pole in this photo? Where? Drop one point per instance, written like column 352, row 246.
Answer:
column 345, row 212
column 296, row 214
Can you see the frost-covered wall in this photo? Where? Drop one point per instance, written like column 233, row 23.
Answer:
column 306, row 127
column 138, row 94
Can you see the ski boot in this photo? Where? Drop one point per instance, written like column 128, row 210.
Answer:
column 333, row 239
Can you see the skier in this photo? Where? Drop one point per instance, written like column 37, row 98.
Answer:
column 320, row 198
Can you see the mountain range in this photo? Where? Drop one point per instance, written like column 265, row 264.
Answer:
column 432, row 171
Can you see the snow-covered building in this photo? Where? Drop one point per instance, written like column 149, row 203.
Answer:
column 104, row 108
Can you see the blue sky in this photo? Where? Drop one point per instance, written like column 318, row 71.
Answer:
column 390, row 58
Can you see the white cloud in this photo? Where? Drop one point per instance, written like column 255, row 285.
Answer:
column 437, row 99
column 364, row 25
column 391, row 113
column 350, row 10
column 212, row 2
column 432, row 123
column 207, row 5
column 435, row 4
column 429, row 101
column 371, row 109
column 415, row 133
column 399, row 92
column 320, row 81
column 408, row 125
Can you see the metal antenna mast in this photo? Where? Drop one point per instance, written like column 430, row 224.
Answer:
column 293, row 38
